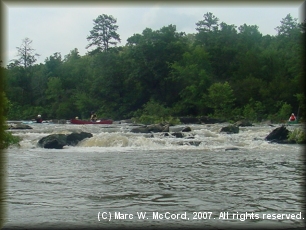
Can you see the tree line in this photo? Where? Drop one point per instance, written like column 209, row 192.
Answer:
column 222, row 70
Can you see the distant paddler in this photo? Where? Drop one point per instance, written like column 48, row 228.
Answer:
column 93, row 116
column 292, row 117
column 38, row 119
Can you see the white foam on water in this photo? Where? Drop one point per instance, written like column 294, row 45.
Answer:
column 202, row 137
column 119, row 140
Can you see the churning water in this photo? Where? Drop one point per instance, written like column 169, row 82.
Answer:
column 122, row 179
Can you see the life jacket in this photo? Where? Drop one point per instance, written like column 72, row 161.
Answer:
column 38, row 120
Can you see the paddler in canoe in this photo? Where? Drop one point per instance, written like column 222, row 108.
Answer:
column 292, row 119
column 38, row 119
column 93, row 116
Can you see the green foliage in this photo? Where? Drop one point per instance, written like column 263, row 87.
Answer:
column 192, row 75
column 152, row 119
column 250, row 113
column 210, row 23
column 154, row 108
column 104, row 32
column 302, row 106
column 284, row 112
column 25, row 53
column 55, row 89
column 287, row 25
column 253, row 111
column 224, row 70
column 153, row 113
column 18, row 112
column 9, row 139
column 32, row 112
column 298, row 135
column 83, row 103
column 221, row 99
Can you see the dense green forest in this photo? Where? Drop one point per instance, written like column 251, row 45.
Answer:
column 223, row 71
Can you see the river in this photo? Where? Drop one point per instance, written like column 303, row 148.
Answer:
column 122, row 179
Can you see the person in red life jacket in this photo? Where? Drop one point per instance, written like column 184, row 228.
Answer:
column 38, row 119
column 292, row 117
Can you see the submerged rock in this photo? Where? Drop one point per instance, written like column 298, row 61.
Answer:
column 177, row 134
column 74, row 138
column 231, row 148
column 230, row 129
column 186, row 129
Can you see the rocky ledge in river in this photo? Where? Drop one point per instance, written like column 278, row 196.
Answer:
column 58, row 141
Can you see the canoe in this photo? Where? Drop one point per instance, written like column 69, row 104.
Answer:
column 292, row 122
column 83, row 122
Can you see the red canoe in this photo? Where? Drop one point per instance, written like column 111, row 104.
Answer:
column 82, row 122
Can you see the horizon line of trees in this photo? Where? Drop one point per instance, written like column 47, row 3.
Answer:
column 222, row 71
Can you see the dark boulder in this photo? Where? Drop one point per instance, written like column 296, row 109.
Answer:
column 186, row 129
column 231, row 149
column 58, row 141
column 149, row 135
column 278, row 134
column 195, row 143
column 53, row 141
column 165, row 135
column 177, row 134
column 74, row 138
column 230, row 129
